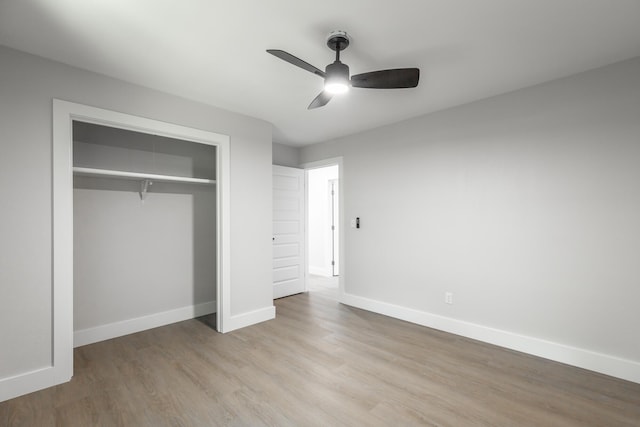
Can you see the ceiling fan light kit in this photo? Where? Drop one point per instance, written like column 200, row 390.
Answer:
column 337, row 78
column 336, row 75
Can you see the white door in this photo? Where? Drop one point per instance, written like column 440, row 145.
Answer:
column 288, row 231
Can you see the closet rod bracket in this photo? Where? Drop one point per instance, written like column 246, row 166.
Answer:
column 144, row 187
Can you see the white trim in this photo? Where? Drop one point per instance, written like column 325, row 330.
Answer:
column 137, row 175
column 62, row 241
column 28, row 383
column 131, row 326
column 603, row 363
column 341, row 229
column 251, row 318
column 223, row 243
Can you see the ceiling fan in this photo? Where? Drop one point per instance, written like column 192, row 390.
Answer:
column 336, row 75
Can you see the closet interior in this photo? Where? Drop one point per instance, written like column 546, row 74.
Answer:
column 144, row 230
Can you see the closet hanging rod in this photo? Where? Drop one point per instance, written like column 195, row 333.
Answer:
column 139, row 175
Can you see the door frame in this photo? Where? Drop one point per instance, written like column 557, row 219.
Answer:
column 335, row 220
column 333, row 161
column 64, row 113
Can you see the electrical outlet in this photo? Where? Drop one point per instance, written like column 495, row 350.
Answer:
column 448, row 297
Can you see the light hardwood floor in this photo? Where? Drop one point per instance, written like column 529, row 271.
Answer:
column 320, row 364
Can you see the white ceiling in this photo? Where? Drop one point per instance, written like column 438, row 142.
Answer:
column 213, row 51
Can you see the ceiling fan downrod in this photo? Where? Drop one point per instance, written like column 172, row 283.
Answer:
column 337, row 41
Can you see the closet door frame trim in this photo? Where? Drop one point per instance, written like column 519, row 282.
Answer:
column 64, row 114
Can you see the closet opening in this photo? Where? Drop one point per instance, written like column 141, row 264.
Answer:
column 144, row 231
column 141, row 234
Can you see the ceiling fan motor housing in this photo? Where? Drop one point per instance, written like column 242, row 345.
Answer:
column 337, row 71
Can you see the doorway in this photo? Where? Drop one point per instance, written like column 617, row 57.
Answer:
column 323, row 228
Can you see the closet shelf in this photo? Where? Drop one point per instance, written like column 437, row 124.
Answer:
column 138, row 175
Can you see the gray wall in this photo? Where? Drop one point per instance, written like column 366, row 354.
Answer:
column 27, row 86
column 284, row 155
column 133, row 259
column 526, row 206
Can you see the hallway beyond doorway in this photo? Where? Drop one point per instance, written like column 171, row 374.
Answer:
column 325, row 286
column 323, row 220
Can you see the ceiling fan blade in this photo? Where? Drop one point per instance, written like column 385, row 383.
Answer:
column 285, row 56
column 387, row 79
column 320, row 101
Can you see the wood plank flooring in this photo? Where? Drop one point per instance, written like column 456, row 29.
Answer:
column 320, row 364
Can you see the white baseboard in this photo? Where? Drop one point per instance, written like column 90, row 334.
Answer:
column 130, row 326
column 320, row 271
column 29, row 382
column 250, row 318
column 39, row 379
column 603, row 363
